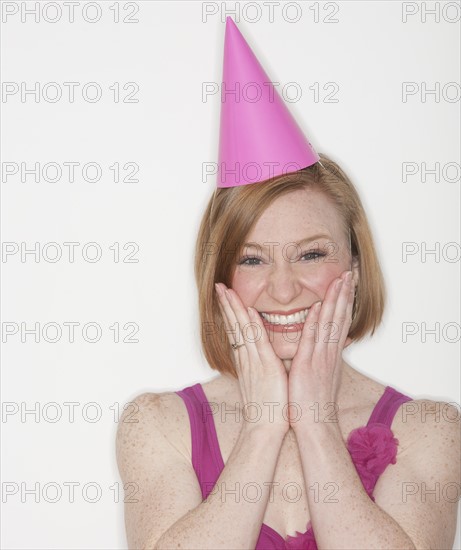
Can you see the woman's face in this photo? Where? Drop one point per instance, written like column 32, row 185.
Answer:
column 283, row 276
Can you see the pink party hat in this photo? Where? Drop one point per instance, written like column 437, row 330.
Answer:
column 259, row 138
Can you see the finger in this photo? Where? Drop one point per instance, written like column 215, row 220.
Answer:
column 309, row 335
column 343, row 315
column 227, row 326
column 223, row 314
column 253, row 331
column 235, row 318
column 240, row 318
column 328, row 333
column 350, row 309
column 233, row 329
column 263, row 345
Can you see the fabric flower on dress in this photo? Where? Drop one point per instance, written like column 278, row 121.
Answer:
column 372, row 449
column 301, row 541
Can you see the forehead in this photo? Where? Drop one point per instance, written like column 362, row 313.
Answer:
column 297, row 215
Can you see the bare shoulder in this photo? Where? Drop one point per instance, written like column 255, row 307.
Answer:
column 150, row 421
column 160, row 483
column 424, row 423
column 162, row 418
column 421, row 490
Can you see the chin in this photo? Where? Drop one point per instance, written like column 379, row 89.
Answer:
column 283, row 348
column 285, row 351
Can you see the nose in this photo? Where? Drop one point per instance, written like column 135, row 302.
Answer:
column 283, row 283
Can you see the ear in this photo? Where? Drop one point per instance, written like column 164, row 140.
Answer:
column 355, row 269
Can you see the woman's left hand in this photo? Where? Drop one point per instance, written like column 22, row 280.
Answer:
column 315, row 371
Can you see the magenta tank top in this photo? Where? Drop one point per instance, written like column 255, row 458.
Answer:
column 372, row 448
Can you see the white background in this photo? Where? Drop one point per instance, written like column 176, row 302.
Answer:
column 169, row 133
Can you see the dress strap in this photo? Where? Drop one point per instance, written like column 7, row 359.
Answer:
column 196, row 428
column 202, row 443
column 373, row 447
column 386, row 407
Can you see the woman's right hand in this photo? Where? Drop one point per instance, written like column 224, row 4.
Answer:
column 261, row 373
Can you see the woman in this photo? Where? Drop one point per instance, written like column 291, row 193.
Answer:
column 228, row 463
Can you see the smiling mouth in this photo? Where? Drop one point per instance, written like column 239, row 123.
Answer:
column 298, row 317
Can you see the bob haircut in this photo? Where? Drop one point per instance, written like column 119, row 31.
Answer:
column 229, row 217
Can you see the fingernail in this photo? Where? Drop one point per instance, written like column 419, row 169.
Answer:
column 338, row 284
column 218, row 289
column 348, row 276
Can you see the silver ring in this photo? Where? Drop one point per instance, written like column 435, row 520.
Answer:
column 236, row 346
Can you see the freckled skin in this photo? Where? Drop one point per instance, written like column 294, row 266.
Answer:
column 284, row 279
column 154, row 453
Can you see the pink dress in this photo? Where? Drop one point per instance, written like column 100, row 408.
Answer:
column 372, row 448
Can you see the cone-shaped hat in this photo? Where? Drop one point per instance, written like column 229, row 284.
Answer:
column 259, row 138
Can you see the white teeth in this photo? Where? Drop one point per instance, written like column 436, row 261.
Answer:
column 298, row 317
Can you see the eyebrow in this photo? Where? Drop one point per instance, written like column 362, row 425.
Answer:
column 298, row 243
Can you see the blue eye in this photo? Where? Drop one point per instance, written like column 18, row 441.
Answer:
column 313, row 255
column 246, row 259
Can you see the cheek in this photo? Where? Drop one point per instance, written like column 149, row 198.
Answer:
column 248, row 285
column 320, row 278
column 316, row 277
